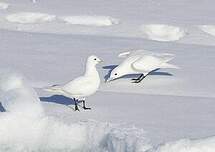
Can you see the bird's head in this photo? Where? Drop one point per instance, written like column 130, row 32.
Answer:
column 116, row 73
column 93, row 60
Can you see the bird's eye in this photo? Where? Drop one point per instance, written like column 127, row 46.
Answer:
column 115, row 74
column 95, row 59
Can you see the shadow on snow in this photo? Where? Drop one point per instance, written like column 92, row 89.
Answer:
column 59, row 99
column 2, row 109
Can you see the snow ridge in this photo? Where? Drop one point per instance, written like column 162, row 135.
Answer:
column 162, row 32
column 210, row 29
column 187, row 145
column 90, row 20
column 30, row 17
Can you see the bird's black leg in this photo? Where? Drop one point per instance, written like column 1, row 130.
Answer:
column 84, row 106
column 76, row 105
column 140, row 78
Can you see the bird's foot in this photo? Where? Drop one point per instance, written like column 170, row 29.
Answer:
column 73, row 108
column 76, row 108
column 136, row 81
column 86, row 108
column 139, row 79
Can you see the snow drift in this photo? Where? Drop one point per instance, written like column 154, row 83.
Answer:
column 3, row 5
column 90, row 20
column 210, row 29
column 186, row 145
column 25, row 127
column 30, row 17
column 17, row 97
column 162, row 32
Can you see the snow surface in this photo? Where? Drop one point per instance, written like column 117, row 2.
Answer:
column 3, row 6
column 166, row 111
column 25, row 127
column 30, row 17
column 210, row 29
column 161, row 32
column 186, row 145
column 90, row 20
column 34, row 1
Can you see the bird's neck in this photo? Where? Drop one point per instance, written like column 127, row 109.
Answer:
column 91, row 70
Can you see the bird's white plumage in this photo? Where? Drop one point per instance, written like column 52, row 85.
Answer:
column 82, row 86
column 149, row 63
column 141, row 62
column 143, row 52
column 152, row 63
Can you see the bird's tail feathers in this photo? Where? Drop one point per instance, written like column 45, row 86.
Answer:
column 171, row 66
column 53, row 89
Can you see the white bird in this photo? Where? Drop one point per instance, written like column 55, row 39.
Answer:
column 82, row 86
column 141, row 62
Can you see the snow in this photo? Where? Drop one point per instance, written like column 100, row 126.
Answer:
column 187, row 145
column 161, row 32
column 3, row 6
column 24, row 126
column 30, row 17
column 90, row 20
column 210, row 29
column 32, row 130
column 169, row 111
column 16, row 97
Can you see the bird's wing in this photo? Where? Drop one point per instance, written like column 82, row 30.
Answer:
column 170, row 66
column 54, row 89
column 77, row 86
column 124, row 54
column 165, row 57
column 134, row 53
column 146, row 63
column 142, row 52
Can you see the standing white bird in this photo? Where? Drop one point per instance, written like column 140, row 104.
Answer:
column 82, row 86
column 141, row 62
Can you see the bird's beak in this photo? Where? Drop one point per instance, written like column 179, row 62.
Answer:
column 101, row 61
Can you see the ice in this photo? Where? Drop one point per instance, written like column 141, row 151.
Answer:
column 30, row 17
column 162, row 32
column 90, row 20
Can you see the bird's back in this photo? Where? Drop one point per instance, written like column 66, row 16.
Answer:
column 82, row 86
column 143, row 60
column 129, row 60
column 147, row 63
